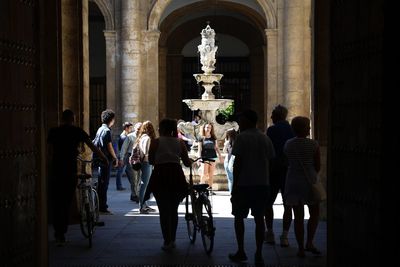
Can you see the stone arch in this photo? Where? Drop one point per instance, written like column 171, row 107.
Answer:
column 160, row 5
column 106, row 10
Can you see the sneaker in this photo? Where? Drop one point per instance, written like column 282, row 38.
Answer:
column 106, row 212
column 237, row 257
column 143, row 211
column 269, row 237
column 284, row 241
column 149, row 209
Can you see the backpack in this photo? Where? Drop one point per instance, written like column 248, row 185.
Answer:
column 136, row 158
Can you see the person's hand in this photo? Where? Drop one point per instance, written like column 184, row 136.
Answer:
column 120, row 163
column 115, row 162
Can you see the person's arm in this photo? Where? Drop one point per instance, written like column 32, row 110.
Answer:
column 112, row 152
column 317, row 159
column 152, row 151
column 96, row 150
column 184, row 154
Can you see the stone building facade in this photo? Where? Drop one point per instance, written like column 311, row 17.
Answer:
column 140, row 52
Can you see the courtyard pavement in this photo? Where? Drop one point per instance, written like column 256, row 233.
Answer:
column 132, row 239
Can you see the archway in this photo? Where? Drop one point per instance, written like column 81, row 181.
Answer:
column 183, row 25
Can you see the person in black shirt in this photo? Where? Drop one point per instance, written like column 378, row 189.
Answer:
column 64, row 141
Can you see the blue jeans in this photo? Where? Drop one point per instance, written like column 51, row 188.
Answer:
column 102, row 185
column 229, row 174
column 144, row 181
column 128, row 171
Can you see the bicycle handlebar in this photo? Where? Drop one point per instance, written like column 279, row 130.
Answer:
column 204, row 159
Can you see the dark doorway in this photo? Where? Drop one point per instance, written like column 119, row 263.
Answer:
column 97, row 67
column 234, row 85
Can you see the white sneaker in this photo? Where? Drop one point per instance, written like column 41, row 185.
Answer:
column 269, row 237
column 284, row 241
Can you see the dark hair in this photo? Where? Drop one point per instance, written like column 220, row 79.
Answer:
column 279, row 113
column 301, row 126
column 126, row 124
column 168, row 127
column 250, row 115
column 231, row 136
column 107, row 116
column 67, row 116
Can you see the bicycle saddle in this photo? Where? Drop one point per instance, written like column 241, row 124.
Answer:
column 200, row 187
column 84, row 176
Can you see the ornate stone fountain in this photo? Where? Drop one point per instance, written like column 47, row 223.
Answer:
column 208, row 105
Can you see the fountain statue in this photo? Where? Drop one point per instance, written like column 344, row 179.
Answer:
column 208, row 105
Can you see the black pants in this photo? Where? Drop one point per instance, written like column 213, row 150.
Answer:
column 62, row 195
column 102, row 185
column 168, row 207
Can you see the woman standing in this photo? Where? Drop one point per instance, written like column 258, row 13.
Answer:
column 304, row 163
column 144, row 139
column 208, row 148
column 168, row 183
column 228, row 145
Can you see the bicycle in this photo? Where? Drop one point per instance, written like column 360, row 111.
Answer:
column 88, row 202
column 198, row 214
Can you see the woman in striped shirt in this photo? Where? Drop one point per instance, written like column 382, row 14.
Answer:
column 304, row 164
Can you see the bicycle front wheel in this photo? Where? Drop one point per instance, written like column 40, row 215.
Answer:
column 84, row 212
column 95, row 206
column 190, row 223
column 207, row 227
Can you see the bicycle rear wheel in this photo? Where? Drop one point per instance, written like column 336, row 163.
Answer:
column 207, row 227
column 190, row 223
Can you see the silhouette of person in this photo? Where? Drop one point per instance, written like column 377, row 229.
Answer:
column 279, row 133
column 304, row 163
column 64, row 141
column 252, row 151
column 167, row 182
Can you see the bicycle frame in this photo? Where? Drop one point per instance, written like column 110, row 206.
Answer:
column 197, row 220
column 88, row 202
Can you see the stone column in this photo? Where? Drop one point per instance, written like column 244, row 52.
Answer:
column 75, row 59
column 85, row 66
column 150, row 91
column 293, row 58
column 273, row 94
column 110, row 69
column 130, row 62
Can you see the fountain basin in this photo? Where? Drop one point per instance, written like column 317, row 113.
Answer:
column 207, row 104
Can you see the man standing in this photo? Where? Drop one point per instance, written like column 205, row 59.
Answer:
column 103, row 140
column 252, row 151
column 122, row 167
column 64, row 141
column 124, row 155
column 279, row 133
